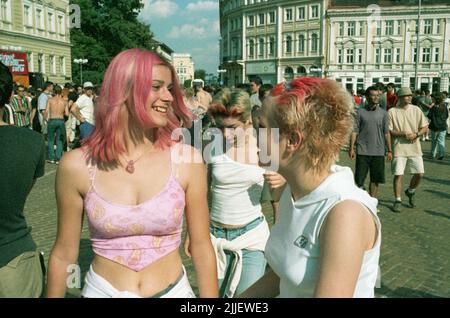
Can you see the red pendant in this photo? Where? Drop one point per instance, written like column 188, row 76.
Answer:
column 130, row 166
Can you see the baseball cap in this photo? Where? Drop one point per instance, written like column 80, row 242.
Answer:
column 88, row 85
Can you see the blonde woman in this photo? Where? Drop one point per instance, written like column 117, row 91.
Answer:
column 326, row 242
column 238, row 227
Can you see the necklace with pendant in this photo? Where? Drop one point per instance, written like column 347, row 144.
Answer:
column 130, row 163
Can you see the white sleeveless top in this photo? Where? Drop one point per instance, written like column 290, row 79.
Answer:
column 293, row 248
column 236, row 191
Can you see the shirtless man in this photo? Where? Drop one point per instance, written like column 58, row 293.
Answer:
column 204, row 98
column 54, row 114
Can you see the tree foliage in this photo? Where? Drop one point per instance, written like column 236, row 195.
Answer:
column 107, row 28
column 200, row 74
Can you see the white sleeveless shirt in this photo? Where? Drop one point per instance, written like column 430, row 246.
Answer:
column 236, row 191
column 293, row 248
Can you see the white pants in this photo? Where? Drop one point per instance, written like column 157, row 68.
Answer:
column 98, row 287
column 399, row 164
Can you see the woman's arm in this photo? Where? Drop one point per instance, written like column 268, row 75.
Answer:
column 347, row 233
column 70, row 211
column 267, row 286
column 197, row 219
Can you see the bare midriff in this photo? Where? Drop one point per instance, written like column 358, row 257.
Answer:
column 146, row 282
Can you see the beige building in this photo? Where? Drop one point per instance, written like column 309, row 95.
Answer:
column 39, row 28
column 184, row 66
column 363, row 49
column 276, row 39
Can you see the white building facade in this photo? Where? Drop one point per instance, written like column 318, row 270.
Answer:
column 273, row 39
column 362, row 49
column 184, row 66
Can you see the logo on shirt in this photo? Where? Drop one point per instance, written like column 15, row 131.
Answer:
column 301, row 241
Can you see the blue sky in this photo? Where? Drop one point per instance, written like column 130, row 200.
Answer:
column 187, row 26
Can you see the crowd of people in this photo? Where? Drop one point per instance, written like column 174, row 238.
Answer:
column 136, row 184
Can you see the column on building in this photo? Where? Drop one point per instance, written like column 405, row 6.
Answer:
column 445, row 82
column 407, row 49
column 244, row 46
column 279, row 44
column 369, row 52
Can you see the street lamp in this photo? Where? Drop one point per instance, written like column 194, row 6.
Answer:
column 81, row 62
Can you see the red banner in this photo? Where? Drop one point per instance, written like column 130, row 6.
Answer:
column 17, row 61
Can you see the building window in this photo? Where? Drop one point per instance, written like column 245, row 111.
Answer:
column 399, row 27
column 387, row 56
column 397, row 55
column 361, row 28
column 301, row 13
column 272, row 17
column 340, row 60
column 261, row 47
column 271, row 46
column 41, row 63
column 288, row 15
column 39, row 19
column 301, row 43
column 377, row 56
column 436, row 55
column 61, row 28
column 251, row 50
column 426, row 55
column 52, row 64
column 314, row 43
column 315, row 12
column 62, row 65
column 415, row 55
column 350, row 56
column 389, row 27
column 51, row 22
column 360, row 56
column 288, row 44
column 261, row 18
column 428, row 28
column 251, row 20
column 27, row 20
column 30, row 60
column 5, row 10
column 341, row 28
column 379, row 28
column 438, row 26
column 351, row 29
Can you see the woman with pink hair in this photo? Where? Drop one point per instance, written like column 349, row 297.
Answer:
column 134, row 191
column 326, row 241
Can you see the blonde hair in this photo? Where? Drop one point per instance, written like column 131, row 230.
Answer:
column 321, row 110
column 228, row 103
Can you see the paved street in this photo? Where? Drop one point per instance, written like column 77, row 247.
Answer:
column 415, row 255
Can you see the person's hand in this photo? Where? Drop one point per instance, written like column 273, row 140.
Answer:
column 352, row 153
column 389, row 156
column 186, row 247
column 411, row 136
column 274, row 180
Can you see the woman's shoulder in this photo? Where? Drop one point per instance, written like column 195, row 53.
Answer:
column 74, row 160
column 186, row 154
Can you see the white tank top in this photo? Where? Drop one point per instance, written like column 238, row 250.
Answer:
column 236, row 191
column 293, row 248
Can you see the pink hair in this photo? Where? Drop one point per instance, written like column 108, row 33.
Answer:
column 127, row 83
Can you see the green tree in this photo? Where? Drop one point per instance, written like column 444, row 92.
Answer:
column 107, row 28
column 200, row 74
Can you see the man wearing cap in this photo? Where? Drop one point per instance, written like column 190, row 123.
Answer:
column 407, row 124
column 369, row 142
column 83, row 110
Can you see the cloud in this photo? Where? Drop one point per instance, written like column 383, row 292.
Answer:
column 158, row 9
column 188, row 31
column 204, row 28
column 203, row 6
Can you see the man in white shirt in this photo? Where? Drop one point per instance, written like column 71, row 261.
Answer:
column 83, row 110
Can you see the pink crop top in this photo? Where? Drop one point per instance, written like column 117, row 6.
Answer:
column 136, row 235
